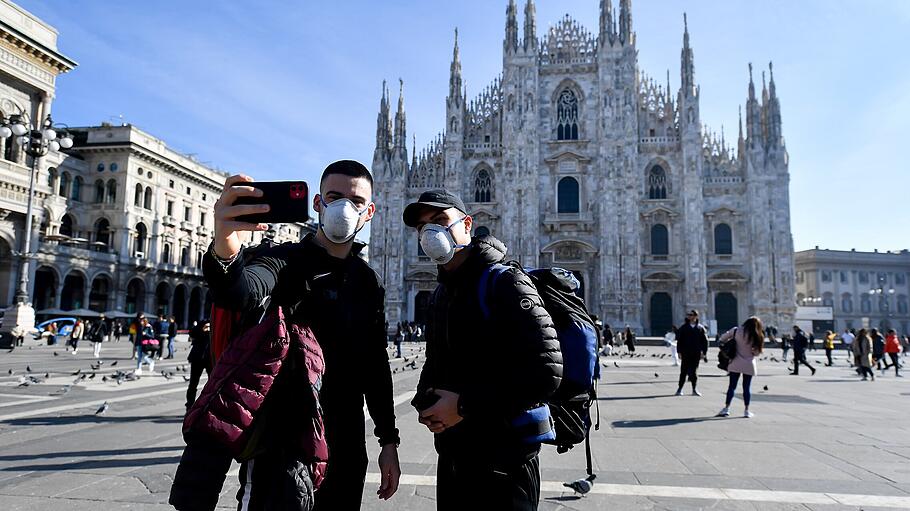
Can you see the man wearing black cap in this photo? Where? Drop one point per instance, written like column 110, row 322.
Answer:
column 480, row 374
column 320, row 282
column 692, row 346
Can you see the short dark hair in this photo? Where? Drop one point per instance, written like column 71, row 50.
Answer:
column 349, row 168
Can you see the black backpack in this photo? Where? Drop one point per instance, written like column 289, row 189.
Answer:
column 570, row 406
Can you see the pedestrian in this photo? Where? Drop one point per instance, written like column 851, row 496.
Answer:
column 98, row 335
column 399, row 337
column 161, row 332
column 892, row 349
column 629, row 339
column 829, row 347
column 692, row 346
column 800, row 344
column 118, row 330
column 750, row 341
column 200, row 358
column 135, row 331
column 670, row 342
column 878, row 347
column 846, row 338
column 75, row 334
column 320, row 281
column 469, row 402
column 862, row 349
column 171, row 335
column 811, row 341
column 148, row 346
column 785, row 346
column 905, row 344
column 18, row 334
column 608, row 339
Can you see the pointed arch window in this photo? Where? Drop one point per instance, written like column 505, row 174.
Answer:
column 567, row 116
column 567, row 199
column 657, row 183
column 723, row 239
column 77, row 189
column 483, row 186
column 63, row 190
column 111, row 196
column 660, row 240
column 99, row 191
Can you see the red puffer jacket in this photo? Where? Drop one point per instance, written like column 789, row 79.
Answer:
column 892, row 344
column 241, row 381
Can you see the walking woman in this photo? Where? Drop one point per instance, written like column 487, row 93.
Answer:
column 862, row 350
column 892, row 349
column 76, row 335
column 630, row 339
column 750, row 341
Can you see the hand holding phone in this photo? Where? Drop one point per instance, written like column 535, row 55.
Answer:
column 226, row 242
column 287, row 202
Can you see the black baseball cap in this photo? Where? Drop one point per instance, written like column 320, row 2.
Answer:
column 431, row 199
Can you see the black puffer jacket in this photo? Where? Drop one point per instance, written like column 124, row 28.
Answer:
column 499, row 367
column 691, row 340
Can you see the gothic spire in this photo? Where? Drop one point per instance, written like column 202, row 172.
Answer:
column 753, row 114
column 772, row 90
column 530, row 41
column 607, row 35
column 625, row 21
column 764, row 89
column 414, row 152
column 455, row 81
column 740, row 142
column 687, row 61
column 383, row 121
column 400, row 122
column 510, row 44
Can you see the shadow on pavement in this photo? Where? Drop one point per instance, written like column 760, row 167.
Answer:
column 97, row 419
column 92, row 464
column 88, row 454
column 626, row 398
column 656, row 423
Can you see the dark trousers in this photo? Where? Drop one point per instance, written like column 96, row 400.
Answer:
column 747, row 388
column 895, row 363
column 689, row 369
column 195, row 374
column 866, row 371
column 828, row 354
column 463, row 484
column 342, row 488
column 800, row 358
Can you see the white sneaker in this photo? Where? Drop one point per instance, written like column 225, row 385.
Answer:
column 138, row 371
column 748, row 415
column 696, row 393
column 679, row 392
column 152, row 366
column 724, row 413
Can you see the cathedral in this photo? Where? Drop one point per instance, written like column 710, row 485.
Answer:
column 575, row 158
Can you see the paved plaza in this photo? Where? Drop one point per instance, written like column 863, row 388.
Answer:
column 828, row 442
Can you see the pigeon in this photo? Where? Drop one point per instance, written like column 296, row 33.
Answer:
column 765, row 388
column 615, row 364
column 23, row 382
column 47, row 375
column 104, row 378
column 114, row 363
column 10, row 372
column 95, row 367
column 84, row 376
column 92, row 377
column 101, row 362
column 167, row 375
column 103, row 408
column 28, row 369
column 64, row 390
column 56, row 354
column 582, row 486
column 656, row 375
column 78, row 371
column 185, row 378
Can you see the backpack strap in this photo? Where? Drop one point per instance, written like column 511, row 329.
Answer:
column 488, row 279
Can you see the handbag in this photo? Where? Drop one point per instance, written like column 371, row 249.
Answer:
column 727, row 352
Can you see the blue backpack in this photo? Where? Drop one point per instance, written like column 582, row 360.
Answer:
column 568, row 410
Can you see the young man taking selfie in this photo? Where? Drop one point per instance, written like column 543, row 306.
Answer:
column 321, row 282
column 481, row 372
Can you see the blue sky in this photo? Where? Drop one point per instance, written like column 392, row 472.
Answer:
column 279, row 89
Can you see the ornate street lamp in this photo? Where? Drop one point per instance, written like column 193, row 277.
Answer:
column 36, row 141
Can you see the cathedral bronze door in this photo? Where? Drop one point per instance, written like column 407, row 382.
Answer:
column 661, row 313
column 421, row 306
column 725, row 311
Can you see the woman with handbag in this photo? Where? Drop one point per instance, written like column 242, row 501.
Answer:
column 750, row 341
column 148, row 346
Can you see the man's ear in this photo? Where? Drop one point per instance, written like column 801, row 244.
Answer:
column 371, row 210
column 468, row 222
column 317, row 203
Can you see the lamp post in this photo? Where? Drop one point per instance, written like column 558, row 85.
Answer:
column 36, row 141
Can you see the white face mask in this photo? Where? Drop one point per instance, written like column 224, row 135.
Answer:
column 338, row 220
column 438, row 243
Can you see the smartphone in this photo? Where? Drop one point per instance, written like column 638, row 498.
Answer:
column 288, row 202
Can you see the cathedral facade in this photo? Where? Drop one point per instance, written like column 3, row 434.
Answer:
column 575, row 158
